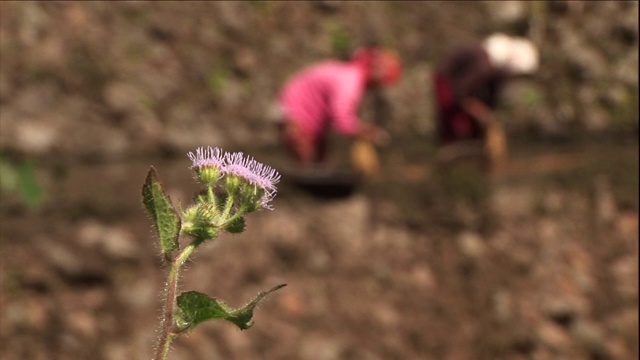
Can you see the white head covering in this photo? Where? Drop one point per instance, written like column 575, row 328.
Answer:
column 517, row 55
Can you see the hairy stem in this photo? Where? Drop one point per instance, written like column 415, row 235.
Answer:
column 229, row 220
column 227, row 207
column 211, row 196
column 167, row 332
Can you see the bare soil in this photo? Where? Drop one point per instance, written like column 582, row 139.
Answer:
column 420, row 263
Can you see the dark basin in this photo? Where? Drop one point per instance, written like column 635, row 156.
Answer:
column 323, row 181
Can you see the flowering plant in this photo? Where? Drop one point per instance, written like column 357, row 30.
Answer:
column 234, row 185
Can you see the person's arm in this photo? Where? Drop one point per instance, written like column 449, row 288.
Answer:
column 344, row 106
column 495, row 142
column 349, row 124
column 479, row 110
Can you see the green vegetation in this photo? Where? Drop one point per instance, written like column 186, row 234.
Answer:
column 20, row 177
column 341, row 42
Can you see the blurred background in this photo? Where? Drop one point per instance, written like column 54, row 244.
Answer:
column 421, row 262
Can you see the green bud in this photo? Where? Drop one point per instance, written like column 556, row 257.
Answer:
column 207, row 164
column 233, row 184
column 208, row 176
column 251, row 197
column 236, row 226
column 201, row 221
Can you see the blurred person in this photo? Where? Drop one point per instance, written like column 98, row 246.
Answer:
column 326, row 97
column 468, row 82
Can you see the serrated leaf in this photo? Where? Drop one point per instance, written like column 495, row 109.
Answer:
column 195, row 307
column 236, row 226
column 162, row 212
column 242, row 317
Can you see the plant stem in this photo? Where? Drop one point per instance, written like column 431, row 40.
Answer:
column 167, row 332
column 183, row 256
column 164, row 346
column 227, row 207
column 211, row 196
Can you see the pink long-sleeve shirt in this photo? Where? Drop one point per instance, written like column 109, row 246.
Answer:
column 325, row 95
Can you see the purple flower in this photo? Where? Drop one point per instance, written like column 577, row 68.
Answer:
column 209, row 157
column 255, row 173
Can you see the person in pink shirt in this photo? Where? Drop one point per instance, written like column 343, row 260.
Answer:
column 326, row 96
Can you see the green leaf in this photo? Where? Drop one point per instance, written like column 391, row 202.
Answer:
column 195, row 307
column 236, row 226
column 162, row 212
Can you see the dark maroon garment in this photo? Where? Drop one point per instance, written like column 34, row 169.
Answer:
column 465, row 72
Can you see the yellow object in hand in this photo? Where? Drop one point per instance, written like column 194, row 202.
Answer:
column 496, row 147
column 365, row 158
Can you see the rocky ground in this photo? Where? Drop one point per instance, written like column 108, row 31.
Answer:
column 417, row 264
column 423, row 262
column 108, row 80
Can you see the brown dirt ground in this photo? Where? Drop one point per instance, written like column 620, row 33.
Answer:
column 421, row 263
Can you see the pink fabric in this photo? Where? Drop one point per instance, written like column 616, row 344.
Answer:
column 325, row 96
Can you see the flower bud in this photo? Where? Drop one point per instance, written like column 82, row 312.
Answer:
column 208, row 164
column 252, row 182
